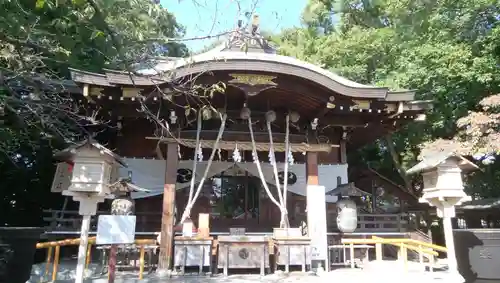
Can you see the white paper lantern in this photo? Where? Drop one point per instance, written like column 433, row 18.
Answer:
column 347, row 218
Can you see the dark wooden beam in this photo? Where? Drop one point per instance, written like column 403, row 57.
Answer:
column 243, row 136
column 354, row 119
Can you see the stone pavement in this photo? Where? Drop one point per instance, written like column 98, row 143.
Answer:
column 388, row 273
column 344, row 276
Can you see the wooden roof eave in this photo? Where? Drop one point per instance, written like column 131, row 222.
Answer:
column 404, row 95
column 348, row 189
column 392, row 183
column 241, row 61
column 84, row 77
column 270, row 63
column 127, row 78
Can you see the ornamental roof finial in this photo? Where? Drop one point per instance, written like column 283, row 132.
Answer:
column 246, row 37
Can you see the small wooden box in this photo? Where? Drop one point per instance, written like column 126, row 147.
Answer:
column 204, row 225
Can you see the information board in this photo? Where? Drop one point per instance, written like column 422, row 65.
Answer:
column 115, row 229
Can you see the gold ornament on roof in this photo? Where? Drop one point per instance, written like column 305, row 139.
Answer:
column 252, row 80
column 361, row 104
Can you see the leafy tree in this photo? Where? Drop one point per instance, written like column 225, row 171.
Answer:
column 448, row 51
column 39, row 40
column 478, row 136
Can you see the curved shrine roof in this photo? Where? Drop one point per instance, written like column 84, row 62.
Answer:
column 254, row 72
column 242, row 52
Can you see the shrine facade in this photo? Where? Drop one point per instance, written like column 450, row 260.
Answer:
column 293, row 118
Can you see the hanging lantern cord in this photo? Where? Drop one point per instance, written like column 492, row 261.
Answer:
column 189, row 206
column 259, row 169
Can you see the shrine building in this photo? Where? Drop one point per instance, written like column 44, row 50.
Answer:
column 248, row 93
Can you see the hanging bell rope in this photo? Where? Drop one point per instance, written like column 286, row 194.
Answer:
column 195, row 159
column 259, row 169
column 187, row 210
column 276, row 177
column 284, row 219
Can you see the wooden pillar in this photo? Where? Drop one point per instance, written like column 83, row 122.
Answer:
column 312, row 168
column 246, row 196
column 343, row 151
column 167, row 218
column 316, row 213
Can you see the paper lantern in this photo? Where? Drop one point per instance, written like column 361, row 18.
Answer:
column 347, row 218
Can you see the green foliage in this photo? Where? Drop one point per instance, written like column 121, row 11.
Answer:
column 88, row 34
column 449, row 51
column 39, row 40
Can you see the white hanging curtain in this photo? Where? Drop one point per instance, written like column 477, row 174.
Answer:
column 146, row 173
column 150, row 174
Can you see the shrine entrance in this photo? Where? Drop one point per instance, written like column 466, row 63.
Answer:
column 234, row 198
column 238, row 197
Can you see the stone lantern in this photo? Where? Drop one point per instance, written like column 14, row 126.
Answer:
column 92, row 173
column 443, row 189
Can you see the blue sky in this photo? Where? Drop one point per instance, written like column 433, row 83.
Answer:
column 212, row 17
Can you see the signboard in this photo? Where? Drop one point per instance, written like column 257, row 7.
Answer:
column 237, row 231
column 62, row 178
column 115, row 229
column 316, row 222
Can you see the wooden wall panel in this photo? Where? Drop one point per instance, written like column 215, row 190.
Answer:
column 133, row 142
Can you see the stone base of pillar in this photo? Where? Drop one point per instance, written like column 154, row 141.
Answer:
column 453, row 277
column 316, row 223
column 318, row 266
column 164, row 273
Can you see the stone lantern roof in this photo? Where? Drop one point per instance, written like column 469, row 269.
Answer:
column 429, row 162
column 68, row 153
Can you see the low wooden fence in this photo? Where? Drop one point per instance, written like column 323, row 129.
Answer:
column 149, row 221
column 424, row 250
column 54, row 249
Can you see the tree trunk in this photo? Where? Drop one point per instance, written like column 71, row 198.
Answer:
column 397, row 163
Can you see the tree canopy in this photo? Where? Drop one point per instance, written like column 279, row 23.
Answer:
column 449, row 51
column 39, row 41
